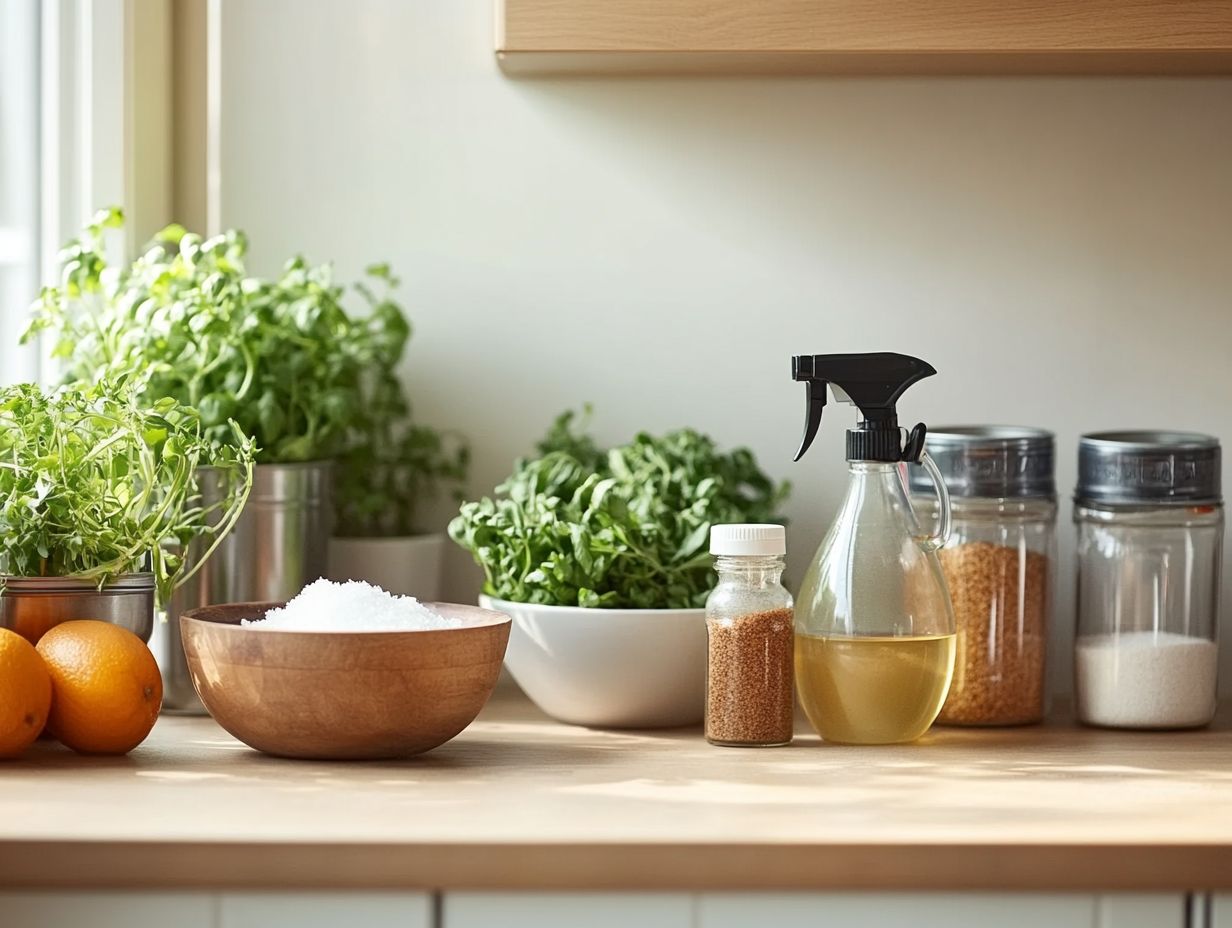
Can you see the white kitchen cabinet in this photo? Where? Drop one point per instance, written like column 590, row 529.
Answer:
column 325, row 910
column 940, row 910
column 883, row 910
column 815, row 910
column 60, row 909
column 1142, row 910
column 1221, row 910
column 212, row 910
column 567, row 910
column 600, row 910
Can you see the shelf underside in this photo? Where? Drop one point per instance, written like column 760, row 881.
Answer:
column 865, row 36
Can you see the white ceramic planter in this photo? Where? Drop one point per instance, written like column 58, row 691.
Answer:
column 609, row 668
column 406, row 566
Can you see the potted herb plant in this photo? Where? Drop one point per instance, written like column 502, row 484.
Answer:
column 392, row 465
column 601, row 559
column 98, row 501
column 281, row 357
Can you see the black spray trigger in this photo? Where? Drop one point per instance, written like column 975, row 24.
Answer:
column 873, row 382
column 915, row 444
column 814, row 406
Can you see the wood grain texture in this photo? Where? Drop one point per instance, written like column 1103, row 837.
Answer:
column 343, row 695
column 520, row 802
column 874, row 36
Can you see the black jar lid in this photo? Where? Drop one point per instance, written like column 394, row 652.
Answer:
column 990, row 461
column 1152, row 467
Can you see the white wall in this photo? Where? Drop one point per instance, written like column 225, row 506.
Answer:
column 1060, row 249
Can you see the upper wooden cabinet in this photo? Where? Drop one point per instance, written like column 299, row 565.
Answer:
column 866, row 36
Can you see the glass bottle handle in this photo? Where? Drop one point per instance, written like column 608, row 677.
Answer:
column 937, row 540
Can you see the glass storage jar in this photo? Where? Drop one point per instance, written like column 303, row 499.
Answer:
column 1149, row 519
column 749, row 697
column 998, row 566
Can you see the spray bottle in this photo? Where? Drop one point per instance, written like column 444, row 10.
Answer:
column 873, row 622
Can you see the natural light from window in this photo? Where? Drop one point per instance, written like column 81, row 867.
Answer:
column 19, row 180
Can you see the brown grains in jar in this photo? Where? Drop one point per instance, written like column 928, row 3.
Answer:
column 749, row 696
column 1000, row 597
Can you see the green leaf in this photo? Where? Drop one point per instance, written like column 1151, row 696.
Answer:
column 693, row 542
column 172, row 234
column 271, row 419
column 216, row 408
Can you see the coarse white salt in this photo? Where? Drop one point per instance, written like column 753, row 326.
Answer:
column 1145, row 680
column 353, row 606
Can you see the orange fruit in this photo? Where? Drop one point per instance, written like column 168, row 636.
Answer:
column 25, row 693
column 106, row 688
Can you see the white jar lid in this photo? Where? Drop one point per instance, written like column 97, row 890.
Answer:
column 748, row 540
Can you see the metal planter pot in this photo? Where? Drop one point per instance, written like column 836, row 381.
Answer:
column 32, row 606
column 280, row 543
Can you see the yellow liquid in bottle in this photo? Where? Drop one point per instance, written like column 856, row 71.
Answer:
column 873, row 690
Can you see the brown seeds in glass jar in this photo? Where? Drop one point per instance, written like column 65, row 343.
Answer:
column 1000, row 597
column 749, row 697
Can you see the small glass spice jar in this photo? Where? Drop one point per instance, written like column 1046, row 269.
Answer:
column 998, row 566
column 1149, row 517
column 749, row 697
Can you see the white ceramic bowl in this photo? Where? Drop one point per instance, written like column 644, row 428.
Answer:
column 609, row 668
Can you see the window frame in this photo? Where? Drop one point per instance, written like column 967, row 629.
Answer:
column 20, row 226
column 90, row 53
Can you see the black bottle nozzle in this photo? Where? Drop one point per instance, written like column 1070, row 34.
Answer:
column 872, row 383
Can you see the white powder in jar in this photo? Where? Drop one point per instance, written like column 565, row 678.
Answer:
column 353, row 606
column 1145, row 680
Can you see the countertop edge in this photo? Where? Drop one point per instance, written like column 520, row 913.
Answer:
column 613, row 866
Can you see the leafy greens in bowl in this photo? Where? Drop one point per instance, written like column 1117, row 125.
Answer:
column 623, row 529
column 93, row 484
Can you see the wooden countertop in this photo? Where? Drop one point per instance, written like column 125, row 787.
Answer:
column 518, row 801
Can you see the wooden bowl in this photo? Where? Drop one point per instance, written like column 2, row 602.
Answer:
column 343, row 695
